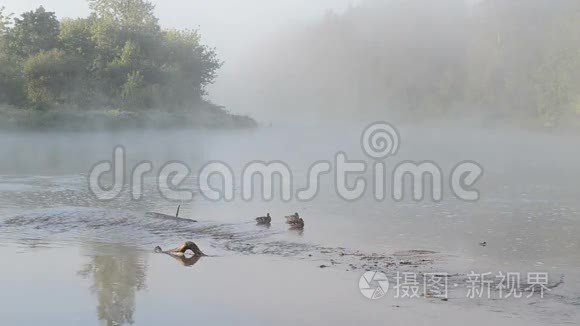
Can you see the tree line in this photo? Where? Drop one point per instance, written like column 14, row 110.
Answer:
column 500, row 60
column 117, row 57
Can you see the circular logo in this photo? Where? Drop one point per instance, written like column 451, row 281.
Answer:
column 374, row 285
column 380, row 140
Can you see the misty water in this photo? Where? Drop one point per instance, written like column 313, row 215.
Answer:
column 97, row 263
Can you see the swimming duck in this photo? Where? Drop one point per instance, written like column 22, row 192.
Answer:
column 264, row 219
column 181, row 250
column 297, row 224
column 293, row 218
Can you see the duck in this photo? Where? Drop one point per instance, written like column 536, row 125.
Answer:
column 264, row 219
column 181, row 250
column 297, row 224
column 293, row 218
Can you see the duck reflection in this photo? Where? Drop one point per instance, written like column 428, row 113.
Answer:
column 297, row 231
column 117, row 274
column 182, row 252
column 186, row 261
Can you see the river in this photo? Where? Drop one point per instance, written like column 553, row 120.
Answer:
column 71, row 258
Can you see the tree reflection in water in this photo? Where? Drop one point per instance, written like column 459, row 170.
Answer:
column 117, row 273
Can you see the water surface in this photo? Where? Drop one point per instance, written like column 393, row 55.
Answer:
column 72, row 259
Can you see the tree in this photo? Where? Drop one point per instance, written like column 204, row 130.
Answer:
column 131, row 15
column 48, row 75
column 132, row 92
column 34, row 32
column 187, row 59
column 11, row 82
column 76, row 37
column 5, row 20
column 130, row 55
column 116, row 56
column 524, row 58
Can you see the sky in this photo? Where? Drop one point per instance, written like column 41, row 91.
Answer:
column 233, row 27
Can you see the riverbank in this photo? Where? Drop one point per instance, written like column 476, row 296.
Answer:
column 66, row 119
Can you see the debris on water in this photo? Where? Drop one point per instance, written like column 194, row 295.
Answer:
column 444, row 299
column 483, row 244
column 169, row 217
column 323, row 266
column 415, row 253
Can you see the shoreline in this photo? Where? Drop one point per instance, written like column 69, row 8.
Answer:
column 64, row 120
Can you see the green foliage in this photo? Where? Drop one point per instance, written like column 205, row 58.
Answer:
column 133, row 16
column 5, row 20
column 11, row 80
column 76, row 37
column 133, row 91
column 127, row 62
column 187, row 63
column 48, row 75
column 33, row 32
column 130, row 55
column 116, row 57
